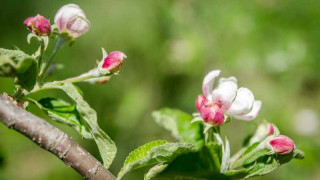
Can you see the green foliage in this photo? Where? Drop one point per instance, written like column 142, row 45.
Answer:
column 178, row 123
column 65, row 113
column 105, row 145
column 203, row 164
column 17, row 64
column 261, row 162
column 157, row 152
column 155, row 170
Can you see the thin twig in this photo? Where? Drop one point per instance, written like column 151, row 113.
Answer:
column 52, row 139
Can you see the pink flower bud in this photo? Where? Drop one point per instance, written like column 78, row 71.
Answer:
column 39, row 25
column 71, row 19
column 270, row 129
column 200, row 101
column 113, row 61
column 212, row 114
column 264, row 130
column 282, row 144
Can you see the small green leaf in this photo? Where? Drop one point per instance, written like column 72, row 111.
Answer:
column 265, row 165
column 252, row 147
column 179, row 124
column 237, row 174
column 17, row 64
column 250, row 159
column 7, row 66
column 154, row 153
column 65, row 113
column 106, row 146
column 45, row 41
column 30, row 36
column 104, row 53
column 155, row 170
column 298, row 154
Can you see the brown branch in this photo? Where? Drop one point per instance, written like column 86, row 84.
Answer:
column 52, row 139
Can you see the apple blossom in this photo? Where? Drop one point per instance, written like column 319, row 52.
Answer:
column 264, row 130
column 38, row 25
column 113, row 61
column 282, row 144
column 225, row 99
column 71, row 19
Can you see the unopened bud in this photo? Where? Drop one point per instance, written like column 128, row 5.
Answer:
column 113, row 61
column 38, row 25
column 282, row 145
column 200, row 101
column 264, row 130
column 212, row 114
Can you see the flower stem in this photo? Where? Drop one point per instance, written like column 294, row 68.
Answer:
column 76, row 79
column 60, row 42
column 41, row 52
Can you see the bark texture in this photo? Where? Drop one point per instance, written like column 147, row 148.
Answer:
column 52, row 139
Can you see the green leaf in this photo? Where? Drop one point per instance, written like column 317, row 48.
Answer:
column 17, row 64
column 154, row 153
column 237, row 174
column 252, row 147
column 298, row 154
column 203, row 164
column 178, row 123
column 155, row 170
column 65, row 113
column 267, row 163
column 106, row 146
column 264, row 166
column 250, row 159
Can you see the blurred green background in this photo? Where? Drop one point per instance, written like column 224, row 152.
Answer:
column 271, row 46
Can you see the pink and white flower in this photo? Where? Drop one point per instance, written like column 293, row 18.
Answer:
column 225, row 99
column 71, row 19
column 282, row 144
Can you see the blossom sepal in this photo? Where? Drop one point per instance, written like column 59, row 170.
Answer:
column 41, row 39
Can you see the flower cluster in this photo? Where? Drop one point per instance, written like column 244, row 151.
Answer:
column 227, row 100
column 70, row 19
column 214, row 105
column 268, row 135
column 71, row 22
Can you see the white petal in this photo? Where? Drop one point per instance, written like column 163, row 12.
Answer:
column 207, row 85
column 78, row 26
column 67, row 13
column 232, row 78
column 251, row 115
column 225, row 93
column 243, row 102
